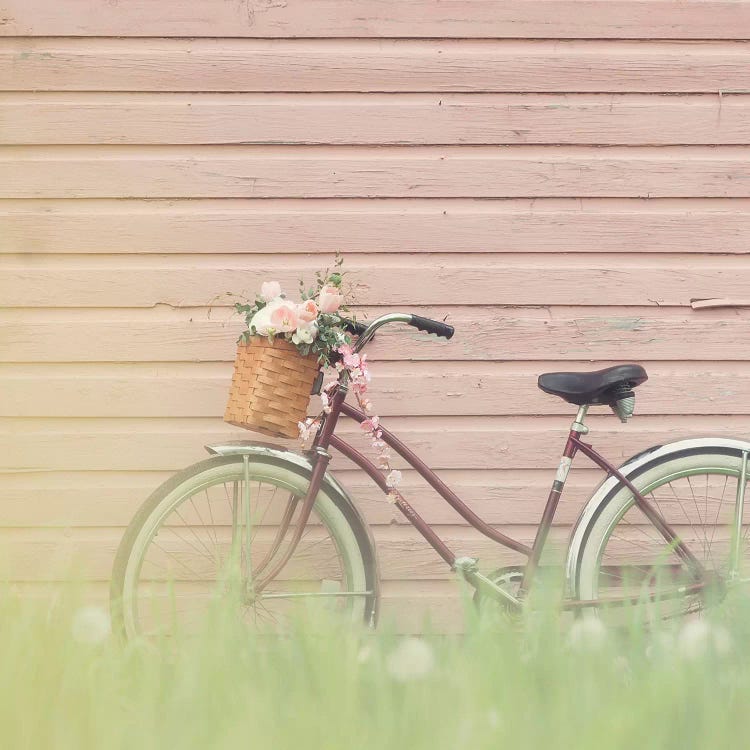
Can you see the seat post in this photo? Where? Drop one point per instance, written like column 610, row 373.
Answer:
column 578, row 425
column 566, row 461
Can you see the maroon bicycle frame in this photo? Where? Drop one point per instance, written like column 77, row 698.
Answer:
column 326, row 439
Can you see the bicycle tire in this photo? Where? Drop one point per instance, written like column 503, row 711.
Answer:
column 695, row 497
column 334, row 511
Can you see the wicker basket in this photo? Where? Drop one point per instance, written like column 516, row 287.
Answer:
column 270, row 387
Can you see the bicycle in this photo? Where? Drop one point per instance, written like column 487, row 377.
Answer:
column 666, row 531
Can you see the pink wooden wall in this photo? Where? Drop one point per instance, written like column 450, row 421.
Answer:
column 560, row 177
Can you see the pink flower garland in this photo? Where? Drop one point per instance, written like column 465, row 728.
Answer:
column 359, row 377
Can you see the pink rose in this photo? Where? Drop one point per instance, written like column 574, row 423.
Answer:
column 284, row 318
column 330, row 299
column 270, row 290
column 307, row 311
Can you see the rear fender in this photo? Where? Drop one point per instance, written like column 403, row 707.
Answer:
column 605, row 491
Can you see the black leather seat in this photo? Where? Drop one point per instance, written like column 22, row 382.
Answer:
column 600, row 387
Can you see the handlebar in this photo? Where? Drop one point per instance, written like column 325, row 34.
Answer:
column 432, row 326
column 417, row 321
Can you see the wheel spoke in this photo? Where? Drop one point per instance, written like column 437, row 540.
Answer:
column 626, row 554
column 178, row 558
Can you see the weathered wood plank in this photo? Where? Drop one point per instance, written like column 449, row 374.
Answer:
column 511, row 498
column 359, row 225
column 362, row 119
column 387, row 172
column 160, row 335
column 460, row 443
column 387, row 280
column 47, row 555
column 68, row 499
column 564, row 19
column 399, row 389
column 374, row 65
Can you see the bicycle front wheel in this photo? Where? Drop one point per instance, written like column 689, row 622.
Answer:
column 212, row 531
column 625, row 558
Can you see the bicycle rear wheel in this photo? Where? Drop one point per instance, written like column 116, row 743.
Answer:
column 207, row 533
column 624, row 556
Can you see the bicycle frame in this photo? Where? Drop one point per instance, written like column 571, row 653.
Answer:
column 467, row 567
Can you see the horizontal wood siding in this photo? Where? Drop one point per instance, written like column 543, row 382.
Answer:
column 365, row 119
column 103, row 281
column 562, row 179
column 566, row 19
column 374, row 172
column 249, row 227
column 445, row 66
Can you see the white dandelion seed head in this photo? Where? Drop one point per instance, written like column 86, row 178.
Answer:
column 412, row 659
column 587, row 634
column 697, row 638
column 91, row 625
column 364, row 654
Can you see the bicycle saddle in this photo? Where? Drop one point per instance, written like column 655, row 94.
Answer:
column 600, row 387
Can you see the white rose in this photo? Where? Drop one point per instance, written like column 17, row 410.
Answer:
column 262, row 319
column 306, row 333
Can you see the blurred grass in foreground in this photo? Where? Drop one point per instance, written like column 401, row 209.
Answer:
column 548, row 683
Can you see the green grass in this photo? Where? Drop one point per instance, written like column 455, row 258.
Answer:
column 537, row 685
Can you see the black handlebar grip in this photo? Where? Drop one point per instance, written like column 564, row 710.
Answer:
column 432, row 326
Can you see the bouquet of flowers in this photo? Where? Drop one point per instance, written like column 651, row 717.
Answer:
column 318, row 328
column 317, row 325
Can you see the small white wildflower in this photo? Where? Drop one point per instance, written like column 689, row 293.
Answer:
column 364, row 654
column 587, row 634
column 698, row 638
column 91, row 625
column 412, row 659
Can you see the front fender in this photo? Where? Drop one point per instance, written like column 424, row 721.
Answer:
column 271, row 450
column 605, row 491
